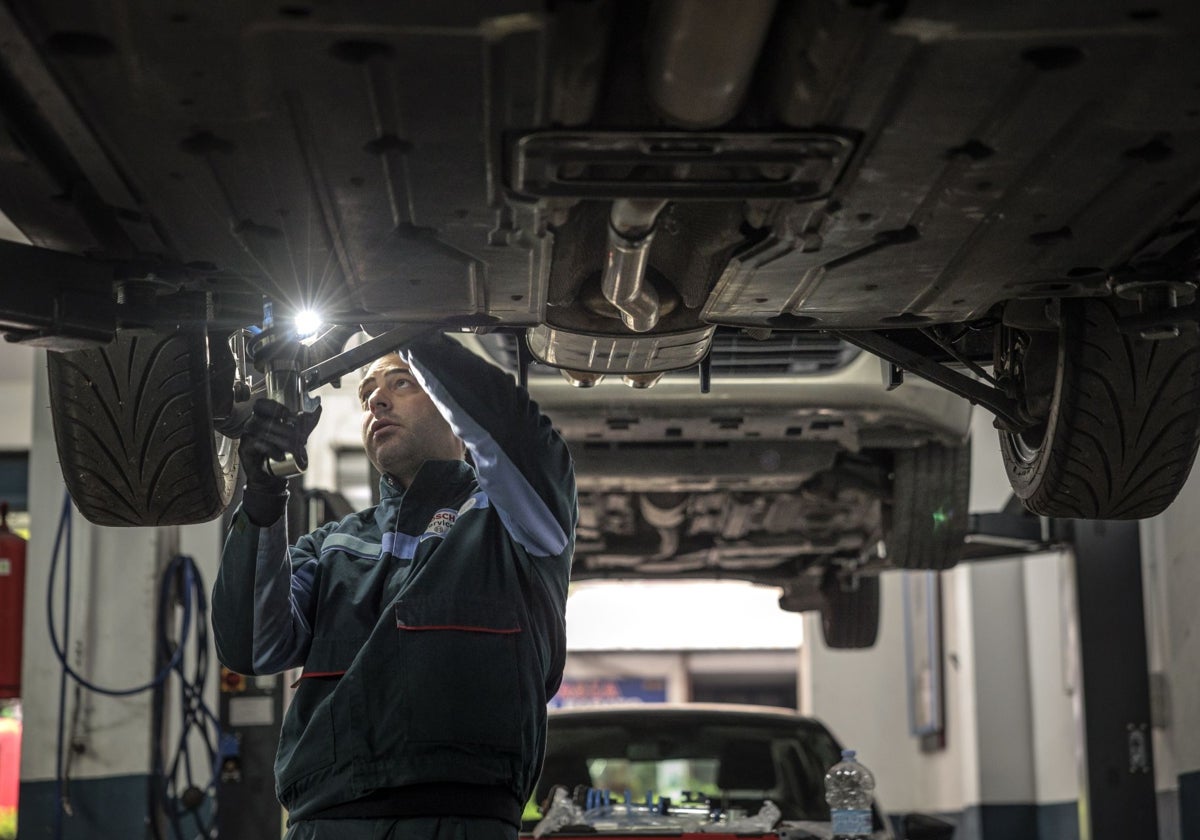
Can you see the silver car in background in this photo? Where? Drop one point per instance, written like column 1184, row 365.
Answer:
column 798, row 468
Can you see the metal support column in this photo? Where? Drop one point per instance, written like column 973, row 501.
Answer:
column 1117, row 798
column 250, row 709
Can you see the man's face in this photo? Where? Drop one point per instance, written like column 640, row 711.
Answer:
column 401, row 427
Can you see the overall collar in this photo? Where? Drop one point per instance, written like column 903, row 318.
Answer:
column 437, row 484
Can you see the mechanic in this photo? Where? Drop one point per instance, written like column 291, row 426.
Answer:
column 430, row 628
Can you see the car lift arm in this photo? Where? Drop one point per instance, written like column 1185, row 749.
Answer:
column 338, row 366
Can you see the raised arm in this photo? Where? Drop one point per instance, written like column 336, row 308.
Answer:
column 261, row 604
column 523, row 464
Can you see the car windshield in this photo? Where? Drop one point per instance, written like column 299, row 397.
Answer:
column 706, row 761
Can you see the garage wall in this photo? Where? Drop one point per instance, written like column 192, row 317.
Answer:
column 1008, row 766
column 16, row 396
column 1048, row 591
column 1171, row 586
column 340, row 427
column 861, row 695
column 17, row 433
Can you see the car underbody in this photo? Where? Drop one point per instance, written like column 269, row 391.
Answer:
column 998, row 197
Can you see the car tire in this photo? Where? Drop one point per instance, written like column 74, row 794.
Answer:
column 850, row 611
column 930, row 495
column 134, row 429
column 1118, row 437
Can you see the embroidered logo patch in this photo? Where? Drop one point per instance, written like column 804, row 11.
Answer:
column 441, row 522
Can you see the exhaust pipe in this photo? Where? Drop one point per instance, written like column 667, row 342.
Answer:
column 630, row 231
column 665, row 512
column 702, row 57
column 582, row 378
column 701, row 61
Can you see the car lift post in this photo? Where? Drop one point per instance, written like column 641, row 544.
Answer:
column 1116, row 797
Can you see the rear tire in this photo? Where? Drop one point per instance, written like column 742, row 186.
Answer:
column 930, row 496
column 850, row 613
column 1119, row 433
column 133, row 422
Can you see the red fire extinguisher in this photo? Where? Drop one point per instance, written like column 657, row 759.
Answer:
column 12, row 606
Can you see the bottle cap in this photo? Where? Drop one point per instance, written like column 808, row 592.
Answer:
column 848, row 754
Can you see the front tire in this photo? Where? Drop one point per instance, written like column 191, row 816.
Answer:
column 1120, row 418
column 133, row 422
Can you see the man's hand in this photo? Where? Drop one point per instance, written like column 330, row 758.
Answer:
column 271, row 434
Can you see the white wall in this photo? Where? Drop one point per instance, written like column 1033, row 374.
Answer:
column 861, row 696
column 1004, row 724
column 1010, row 735
column 340, row 427
column 1049, row 593
column 1171, row 585
column 16, row 396
column 16, row 432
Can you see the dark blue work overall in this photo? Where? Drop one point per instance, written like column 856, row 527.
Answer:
column 430, row 628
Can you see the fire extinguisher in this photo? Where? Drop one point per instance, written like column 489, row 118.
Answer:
column 12, row 606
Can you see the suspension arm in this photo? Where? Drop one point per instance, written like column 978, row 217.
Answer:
column 1010, row 413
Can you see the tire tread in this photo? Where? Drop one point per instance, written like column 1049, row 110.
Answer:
column 850, row 617
column 930, row 481
column 133, row 426
column 1129, row 421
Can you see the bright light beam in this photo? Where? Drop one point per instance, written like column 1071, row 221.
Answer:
column 307, row 323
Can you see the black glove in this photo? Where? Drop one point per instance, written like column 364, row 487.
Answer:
column 271, row 433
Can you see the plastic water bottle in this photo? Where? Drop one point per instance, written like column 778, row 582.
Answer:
column 849, row 790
